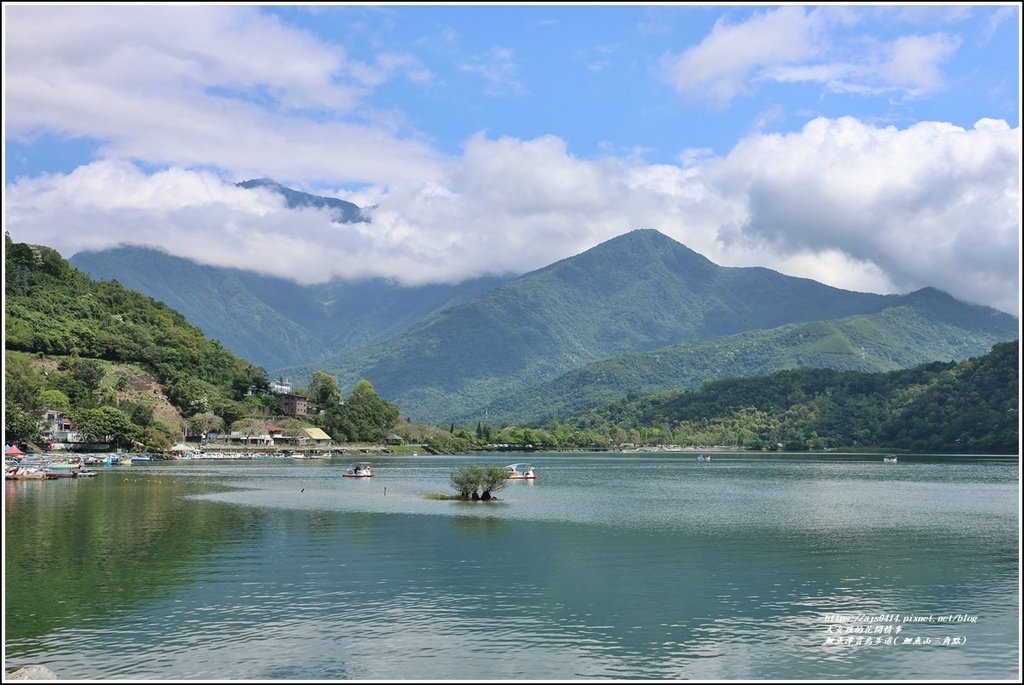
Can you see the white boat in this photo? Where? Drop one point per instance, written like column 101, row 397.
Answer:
column 891, row 459
column 64, row 466
column 704, row 457
column 521, row 472
column 27, row 473
column 360, row 469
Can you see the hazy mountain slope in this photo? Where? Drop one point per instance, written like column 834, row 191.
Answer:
column 639, row 291
column 921, row 327
column 218, row 301
column 271, row 321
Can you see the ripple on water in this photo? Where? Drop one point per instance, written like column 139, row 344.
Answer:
column 678, row 571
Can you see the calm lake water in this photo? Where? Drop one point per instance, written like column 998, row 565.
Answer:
column 608, row 566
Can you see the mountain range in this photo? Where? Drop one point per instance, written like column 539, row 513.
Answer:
column 273, row 322
column 636, row 313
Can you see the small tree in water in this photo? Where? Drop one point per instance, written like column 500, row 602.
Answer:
column 477, row 481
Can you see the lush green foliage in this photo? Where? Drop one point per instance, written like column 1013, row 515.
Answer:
column 445, row 442
column 323, row 389
column 509, row 346
column 109, row 425
column 640, row 291
column 55, row 311
column 524, row 335
column 270, row 321
column 919, row 330
column 966, row 407
column 364, row 417
column 478, row 480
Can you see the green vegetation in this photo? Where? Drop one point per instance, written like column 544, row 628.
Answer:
column 918, row 331
column 563, row 339
column 364, row 417
column 80, row 346
column 108, row 357
column 478, row 481
column 640, row 292
column 272, row 322
column 55, row 311
column 965, row 407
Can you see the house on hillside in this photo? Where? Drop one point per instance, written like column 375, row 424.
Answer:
column 280, row 387
column 57, row 431
column 296, row 405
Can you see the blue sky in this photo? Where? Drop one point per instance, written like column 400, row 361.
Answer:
column 871, row 147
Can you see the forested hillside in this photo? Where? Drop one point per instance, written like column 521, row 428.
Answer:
column 944, row 407
column 131, row 372
column 923, row 326
column 274, row 322
column 52, row 310
column 635, row 293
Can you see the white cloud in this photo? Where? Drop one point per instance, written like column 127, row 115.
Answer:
column 997, row 17
column 841, row 201
column 787, row 45
column 908, row 64
column 720, row 67
column 913, row 62
column 933, row 204
column 183, row 85
column 498, row 68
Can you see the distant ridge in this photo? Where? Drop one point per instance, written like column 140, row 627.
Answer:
column 501, row 347
column 637, row 292
column 344, row 212
column 933, row 327
column 271, row 321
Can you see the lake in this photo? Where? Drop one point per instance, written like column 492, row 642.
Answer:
column 608, row 566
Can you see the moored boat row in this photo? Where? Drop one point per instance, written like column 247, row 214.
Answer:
column 51, row 466
column 46, row 472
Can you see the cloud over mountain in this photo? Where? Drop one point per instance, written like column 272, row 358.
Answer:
column 846, row 203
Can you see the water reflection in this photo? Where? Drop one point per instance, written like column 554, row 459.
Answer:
column 710, row 571
column 96, row 547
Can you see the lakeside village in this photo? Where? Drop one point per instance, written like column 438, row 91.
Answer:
column 68, row 453
column 62, row 462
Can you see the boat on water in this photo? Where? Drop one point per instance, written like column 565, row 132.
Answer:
column 29, row 473
column 521, row 472
column 55, row 472
column 704, row 457
column 47, row 471
column 890, row 459
column 360, row 469
column 307, row 455
column 65, row 465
